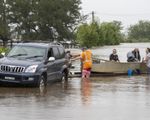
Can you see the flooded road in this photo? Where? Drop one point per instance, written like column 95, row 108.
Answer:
column 102, row 98
column 111, row 98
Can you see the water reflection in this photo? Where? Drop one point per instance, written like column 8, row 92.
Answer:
column 65, row 85
column 76, row 98
column 31, row 91
column 43, row 91
column 86, row 91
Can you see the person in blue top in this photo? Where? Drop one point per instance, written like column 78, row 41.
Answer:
column 130, row 57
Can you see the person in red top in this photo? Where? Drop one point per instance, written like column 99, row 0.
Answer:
column 86, row 60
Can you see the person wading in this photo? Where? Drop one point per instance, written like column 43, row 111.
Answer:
column 86, row 60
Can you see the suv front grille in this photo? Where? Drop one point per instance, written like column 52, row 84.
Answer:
column 12, row 69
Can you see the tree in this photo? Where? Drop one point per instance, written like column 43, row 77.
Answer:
column 111, row 32
column 44, row 19
column 88, row 35
column 94, row 34
column 140, row 31
column 4, row 28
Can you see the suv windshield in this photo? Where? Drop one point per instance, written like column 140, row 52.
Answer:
column 27, row 52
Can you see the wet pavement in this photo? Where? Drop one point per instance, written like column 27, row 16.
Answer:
column 103, row 98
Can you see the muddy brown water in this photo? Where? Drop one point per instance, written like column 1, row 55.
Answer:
column 101, row 98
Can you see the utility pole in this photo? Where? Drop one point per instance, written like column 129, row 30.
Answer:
column 93, row 17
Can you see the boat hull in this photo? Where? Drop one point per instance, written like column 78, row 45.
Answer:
column 119, row 67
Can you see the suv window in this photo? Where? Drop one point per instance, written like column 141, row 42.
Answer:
column 56, row 53
column 62, row 52
column 50, row 53
column 27, row 52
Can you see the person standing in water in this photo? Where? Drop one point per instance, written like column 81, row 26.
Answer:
column 86, row 60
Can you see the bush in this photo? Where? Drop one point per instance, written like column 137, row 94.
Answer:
column 98, row 34
column 3, row 50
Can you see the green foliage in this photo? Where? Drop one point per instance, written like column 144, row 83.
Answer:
column 111, row 33
column 88, row 35
column 94, row 34
column 139, row 32
column 41, row 19
column 3, row 50
column 4, row 27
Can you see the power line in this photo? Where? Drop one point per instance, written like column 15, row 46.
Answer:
column 123, row 14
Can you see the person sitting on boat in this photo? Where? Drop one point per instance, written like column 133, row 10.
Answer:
column 131, row 57
column 136, row 54
column 114, row 56
column 86, row 60
column 147, row 59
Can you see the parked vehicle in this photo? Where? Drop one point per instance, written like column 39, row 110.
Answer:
column 34, row 64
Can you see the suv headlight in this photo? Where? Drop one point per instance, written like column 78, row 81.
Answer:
column 31, row 69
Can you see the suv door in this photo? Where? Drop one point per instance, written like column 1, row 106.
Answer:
column 59, row 54
column 51, row 70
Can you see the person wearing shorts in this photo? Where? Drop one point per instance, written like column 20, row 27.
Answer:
column 86, row 59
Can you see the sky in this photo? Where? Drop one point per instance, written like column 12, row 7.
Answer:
column 129, row 12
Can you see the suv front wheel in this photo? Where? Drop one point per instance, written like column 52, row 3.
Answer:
column 42, row 82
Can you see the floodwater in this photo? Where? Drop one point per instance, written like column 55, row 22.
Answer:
column 122, row 50
column 102, row 98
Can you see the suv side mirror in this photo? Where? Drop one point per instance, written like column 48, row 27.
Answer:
column 51, row 59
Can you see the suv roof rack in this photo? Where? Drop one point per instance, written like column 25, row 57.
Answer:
column 41, row 41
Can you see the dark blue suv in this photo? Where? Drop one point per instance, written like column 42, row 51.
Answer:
column 34, row 64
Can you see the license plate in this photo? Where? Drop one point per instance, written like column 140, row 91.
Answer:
column 9, row 78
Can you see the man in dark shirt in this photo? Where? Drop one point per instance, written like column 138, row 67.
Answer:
column 114, row 56
column 68, row 58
